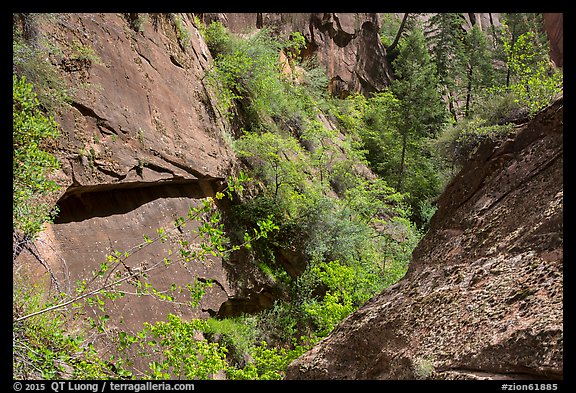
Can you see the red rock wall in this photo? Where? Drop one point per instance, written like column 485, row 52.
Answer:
column 347, row 44
column 554, row 25
column 141, row 142
column 483, row 297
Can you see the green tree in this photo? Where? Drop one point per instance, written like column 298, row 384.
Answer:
column 515, row 25
column 479, row 69
column 534, row 80
column 277, row 160
column 376, row 120
column 445, row 35
column 32, row 133
column 523, row 79
column 393, row 30
column 422, row 113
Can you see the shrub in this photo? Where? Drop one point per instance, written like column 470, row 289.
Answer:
column 267, row 364
column 236, row 334
column 498, row 105
column 217, row 37
column 43, row 348
column 459, row 141
column 182, row 33
column 29, row 60
column 32, row 131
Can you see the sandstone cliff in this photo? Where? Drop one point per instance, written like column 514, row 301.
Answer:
column 554, row 25
column 346, row 44
column 140, row 143
column 483, row 297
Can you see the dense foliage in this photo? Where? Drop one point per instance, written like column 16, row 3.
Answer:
column 352, row 230
column 346, row 186
column 32, row 131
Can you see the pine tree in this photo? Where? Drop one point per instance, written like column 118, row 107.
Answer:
column 421, row 108
column 479, row 69
column 445, row 35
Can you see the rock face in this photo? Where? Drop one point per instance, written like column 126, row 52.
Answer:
column 347, row 44
column 140, row 144
column 554, row 25
column 146, row 115
column 483, row 297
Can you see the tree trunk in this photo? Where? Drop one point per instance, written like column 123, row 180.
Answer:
column 468, row 93
column 399, row 34
column 494, row 38
column 451, row 106
column 402, row 162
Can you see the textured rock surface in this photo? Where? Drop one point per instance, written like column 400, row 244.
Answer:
column 554, row 25
column 347, row 44
column 485, row 21
column 483, row 297
column 145, row 116
column 141, row 144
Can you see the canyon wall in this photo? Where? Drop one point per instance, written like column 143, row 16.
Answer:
column 347, row 45
column 141, row 143
column 483, row 297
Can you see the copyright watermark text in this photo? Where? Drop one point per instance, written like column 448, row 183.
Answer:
column 100, row 386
